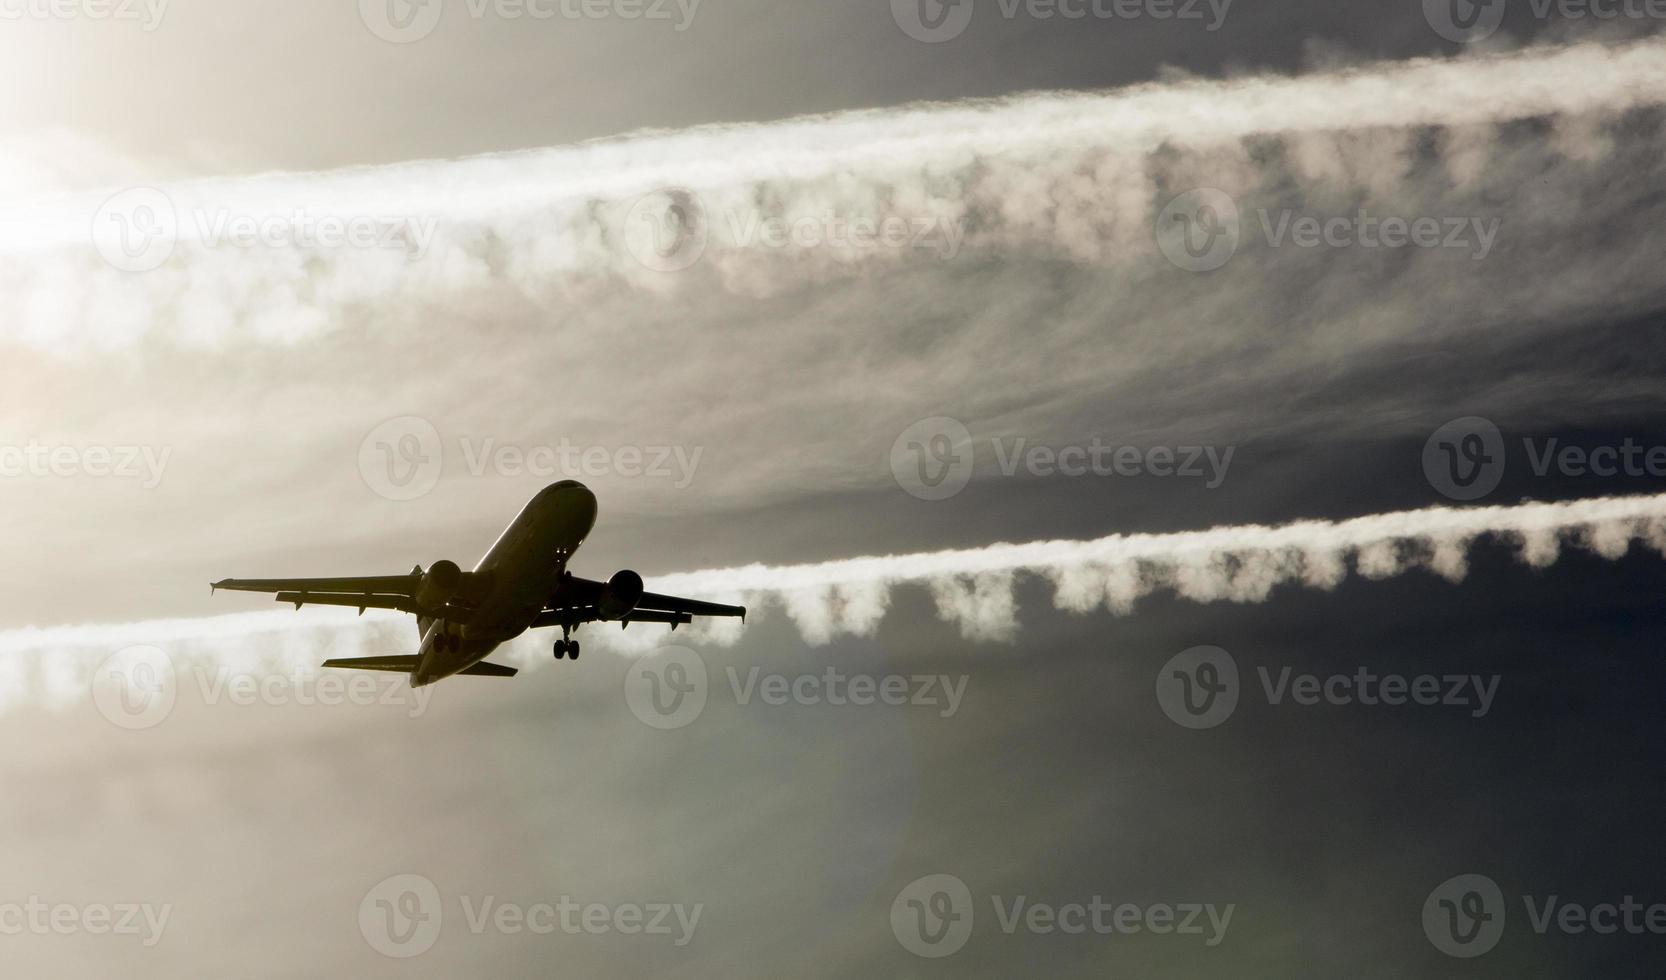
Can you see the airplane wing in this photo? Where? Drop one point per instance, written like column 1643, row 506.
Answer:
column 580, row 600
column 398, row 592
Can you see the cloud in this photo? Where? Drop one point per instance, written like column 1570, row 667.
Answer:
column 974, row 589
column 1078, row 176
column 529, row 321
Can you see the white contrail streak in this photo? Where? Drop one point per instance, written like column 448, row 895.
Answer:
column 1066, row 171
column 1242, row 564
column 973, row 588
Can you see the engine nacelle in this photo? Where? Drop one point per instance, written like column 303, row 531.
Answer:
column 621, row 594
column 439, row 584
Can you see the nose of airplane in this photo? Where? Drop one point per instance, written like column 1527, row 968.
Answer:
column 575, row 498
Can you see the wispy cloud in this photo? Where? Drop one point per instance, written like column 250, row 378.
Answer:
column 529, row 320
column 1074, row 173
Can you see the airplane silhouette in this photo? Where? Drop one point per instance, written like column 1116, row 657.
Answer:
column 521, row 584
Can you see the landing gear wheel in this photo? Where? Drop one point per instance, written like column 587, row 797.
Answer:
column 572, row 649
column 560, row 649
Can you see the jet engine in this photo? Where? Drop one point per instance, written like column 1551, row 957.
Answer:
column 439, row 584
column 621, row 594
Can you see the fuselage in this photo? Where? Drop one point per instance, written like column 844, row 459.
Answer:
column 523, row 570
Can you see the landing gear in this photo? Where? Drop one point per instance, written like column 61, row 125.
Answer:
column 566, row 647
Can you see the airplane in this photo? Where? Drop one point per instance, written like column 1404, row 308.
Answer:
column 522, row 583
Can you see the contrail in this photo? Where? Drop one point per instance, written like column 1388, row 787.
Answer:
column 1082, row 174
column 973, row 588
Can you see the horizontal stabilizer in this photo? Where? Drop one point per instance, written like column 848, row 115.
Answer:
column 401, row 665
column 404, row 665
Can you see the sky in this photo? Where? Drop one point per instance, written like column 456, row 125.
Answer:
column 1036, row 372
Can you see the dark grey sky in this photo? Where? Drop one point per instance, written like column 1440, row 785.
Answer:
column 242, row 86
column 534, row 320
